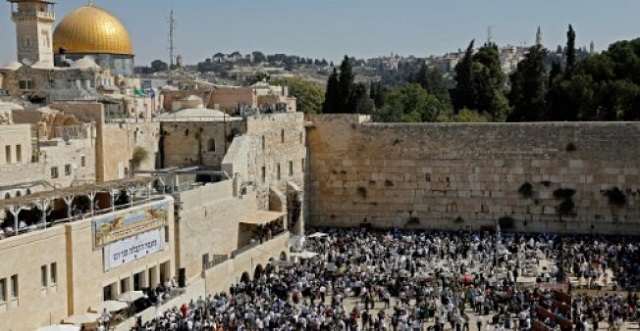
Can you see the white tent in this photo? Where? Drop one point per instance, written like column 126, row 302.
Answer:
column 317, row 235
column 59, row 327
column 130, row 296
column 82, row 318
column 110, row 305
column 304, row 254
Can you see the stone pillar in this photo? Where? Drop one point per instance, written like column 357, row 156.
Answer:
column 43, row 205
column 131, row 190
column 149, row 186
column 92, row 196
column 113, row 193
column 15, row 211
column 69, row 201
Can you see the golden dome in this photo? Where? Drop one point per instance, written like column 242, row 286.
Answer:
column 92, row 30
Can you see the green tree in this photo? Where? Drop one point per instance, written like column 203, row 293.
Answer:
column 529, row 87
column 258, row 57
column 571, row 49
column 346, row 86
column 309, row 95
column 431, row 80
column 479, row 78
column 411, row 103
column 332, row 102
column 468, row 115
column 378, row 94
column 464, row 93
column 159, row 65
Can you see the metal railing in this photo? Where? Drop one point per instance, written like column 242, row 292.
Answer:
column 256, row 243
column 40, row 226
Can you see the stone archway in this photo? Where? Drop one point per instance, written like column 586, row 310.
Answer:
column 258, row 272
column 269, row 269
column 283, row 256
column 245, row 278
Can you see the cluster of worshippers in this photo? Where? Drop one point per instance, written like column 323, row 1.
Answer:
column 368, row 279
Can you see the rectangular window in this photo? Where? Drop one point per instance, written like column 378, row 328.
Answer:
column 14, row 287
column 3, row 290
column 302, row 164
column 124, row 285
column 107, row 292
column 166, row 234
column 18, row 153
column 67, row 169
column 7, row 154
column 43, row 276
column 26, row 84
column 54, row 172
column 54, row 273
column 264, row 174
column 83, row 161
column 290, row 168
column 278, row 172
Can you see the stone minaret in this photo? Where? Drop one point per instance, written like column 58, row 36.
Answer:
column 592, row 48
column 539, row 37
column 34, row 20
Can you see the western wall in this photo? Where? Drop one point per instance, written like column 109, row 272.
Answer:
column 469, row 176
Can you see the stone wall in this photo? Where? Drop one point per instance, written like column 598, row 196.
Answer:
column 23, row 257
column 455, row 175
column 277, row 145
column 208, row 223
column 116, row 146
column 192, row 143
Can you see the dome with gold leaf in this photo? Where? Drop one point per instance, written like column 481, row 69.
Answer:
column 92, row 30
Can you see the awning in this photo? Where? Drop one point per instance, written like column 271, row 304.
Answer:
column 304, row 254
column 261, row 217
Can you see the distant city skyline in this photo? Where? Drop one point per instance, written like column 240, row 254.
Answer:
column 361, row 28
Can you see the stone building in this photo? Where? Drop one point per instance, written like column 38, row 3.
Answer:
column 271, row 146
column 234, row 100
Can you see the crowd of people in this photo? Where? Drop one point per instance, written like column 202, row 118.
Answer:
column 417, row 280
column 265, row 232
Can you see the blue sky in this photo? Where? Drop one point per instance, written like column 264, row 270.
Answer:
column 361, row 28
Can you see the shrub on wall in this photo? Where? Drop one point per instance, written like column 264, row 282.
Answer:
column 506, row 223
column 566, row 206
column 139, row 154
column 413, row 221
column 362, row 192
column 526, row 190
column 616, row 197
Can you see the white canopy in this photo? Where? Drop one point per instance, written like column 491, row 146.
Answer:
column 110, row 305
column 82, row 318
column 59, row 327
column 130, row 296
column 317, row 235
column 304, row 254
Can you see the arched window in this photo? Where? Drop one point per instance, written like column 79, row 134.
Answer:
column 7, row 196
column 282, row 135
column 264, row 142
column 18, row 193
column 211, row 145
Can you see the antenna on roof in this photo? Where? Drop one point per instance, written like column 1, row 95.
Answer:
column 172, row 27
